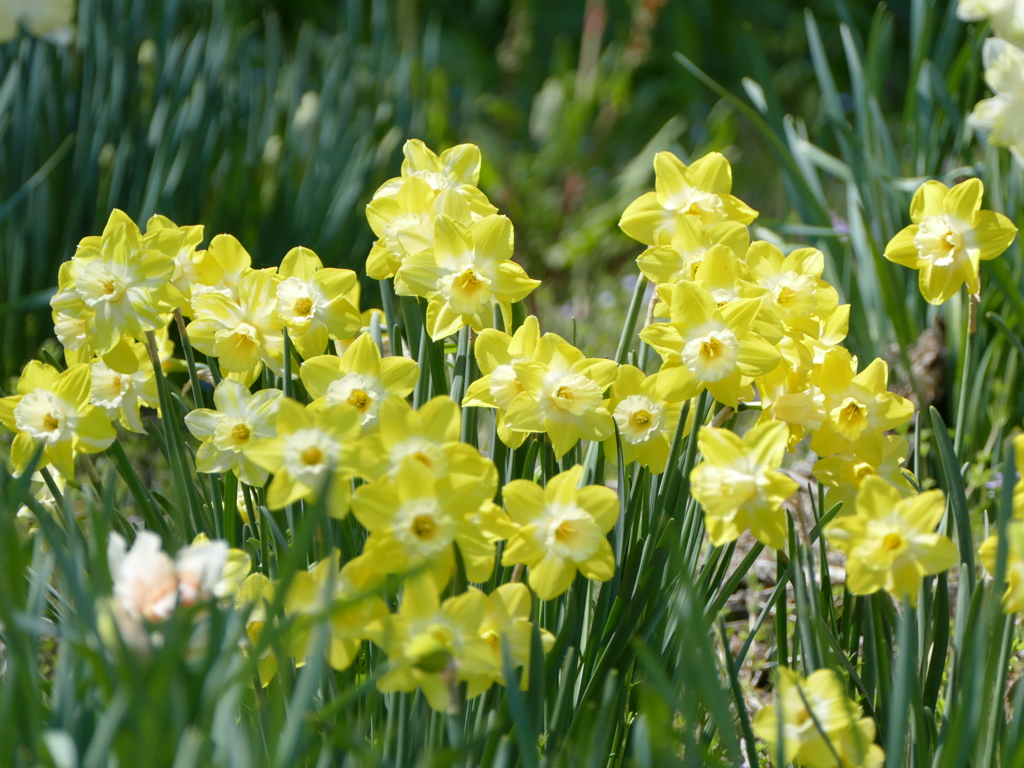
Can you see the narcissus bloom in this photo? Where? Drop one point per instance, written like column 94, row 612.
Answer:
column 701, row 190
column 795, row 290
column 1000, row 116
column 647, row 424
column 121, row 394
column 707, row 346
column 257, row 594
column 817, row 723
column 228, row 432
column 360, row 377
column 739, row 485
column 1013, row 598
column 949, row 236
column 859, row 408
column 308, row 453
column 496, row 355
column 53, row 410
column 891, row 542
column 191, row 266
column 467, row 272
column 845, row 472
column 416, row 519
column 313, row 301
column 680, row 258
column 563, row 395
column 234, row 263
column 1005, row 16
column 562, row 530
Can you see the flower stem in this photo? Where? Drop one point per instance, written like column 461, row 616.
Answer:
column 968, row 356
column 190, row 360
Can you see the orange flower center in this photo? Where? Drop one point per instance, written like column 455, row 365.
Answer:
column 312, row 456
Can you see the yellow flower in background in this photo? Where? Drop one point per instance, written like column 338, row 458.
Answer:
column 191, row 267
column 233, row 263
column 950, row 234
column 817, row 723
column 244, row 335
column 563, row 395
column 313, row 301
column 707, row 346
column 858, row 406
column 507, row 624
column 360, row 377
column 228, row 432
column 845, row 472
column 416, row 519
column 1013, row 598
column 647, row 424
column 432, row 645
column 308, row 452
column 118, row 283
column 795, row 290
column 562, row 529
column 467, row 272
column 701, row 190
column 891, row 542
column 257, row 593
column 120, row 394
column 680, row 258
column 496, row 355
column 739, row 485
column 788, row 394
column 53, row 410
column 1018, row 488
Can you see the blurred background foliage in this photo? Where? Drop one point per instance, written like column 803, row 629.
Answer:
column 275, row 121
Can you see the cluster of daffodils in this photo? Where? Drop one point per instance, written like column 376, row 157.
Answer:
column 307, row 405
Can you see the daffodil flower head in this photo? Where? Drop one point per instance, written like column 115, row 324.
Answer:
column 844, row 473
column 227, row 432
column 682, row 256
column 52, row 410
column 122, row 394
column 950, row 234
column 467, row 272
column 891, row 542
column 701, row 190
column 257, row 593
column 1000, row 116
column 562, row 529
column 817, row 723
column 310, row 453
column 313, row 301
column 1006, row 18
column 360, row 377
column 794, row 288
column 646, row 423
column 1018, row 488
column 231, row 262
column 739, row 485
column 1013, row 597
column 563, row 395
column 191, row 266
column 708, row 346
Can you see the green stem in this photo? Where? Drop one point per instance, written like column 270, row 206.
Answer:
column 190, row 361
column 629, row 326
column 154, row 521
column 965, row 375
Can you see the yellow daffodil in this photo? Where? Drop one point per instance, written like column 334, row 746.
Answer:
column 416, row 519
column 563, row 395
column 244, row 335
column 120, row 394
column 228, row 432
column 53, row 410
column 859, row 408
column 680, row 258
column 118, row 283
column 701, row 190
column 707, row 346
column 794, row 288
column 313, row 302
column 233, row 263
column 191, row 266
column 845, row 472
column 950, row 234
column 647, row 424
column 891, row 542
column 308, row 452
column 1013, row 598
column 1018, row 488
column 739, row 485
column 788, row 394
column 817, row 723
column 360, row 377
column 432, row 645
column 562, row 530
column 257, row 592
column 467, row 272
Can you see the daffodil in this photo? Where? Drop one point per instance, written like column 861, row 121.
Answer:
column 950, row 234
column 121, row 395
column 53, row 410
column 360, row 377
column 739, row 485
column 244, row 335
column 233, row 263
column 433, row 645
column 680, row 258
column 859, row 408
column 1005, row 16
column 891, row 542
column 467, row 272
column 191, row 266
column 647, row 424
column 416, row 520
column 257, row 594
column 562, row 530
column 457, row 169
column 308, row 454
column 819, row 726
column 1000, row 116
column 496, row 355
column 1018, row 488
column 313, row 302
column 209, row 569
column 794, row 288
column 118, row 283
column 845, row 472
column 701, row 190
column 788, row 394
column 707, row 346
column 563, row 395
column 1013, row 598
column 228, row 432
